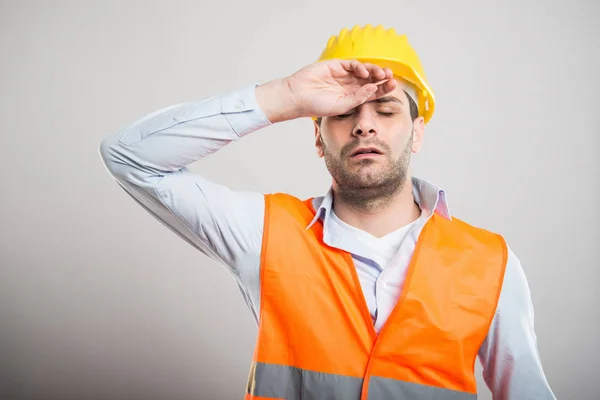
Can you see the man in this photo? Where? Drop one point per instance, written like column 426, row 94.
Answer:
column 372, row 291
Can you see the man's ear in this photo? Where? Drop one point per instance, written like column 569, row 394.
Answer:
column 419, row 132
column 318, row 139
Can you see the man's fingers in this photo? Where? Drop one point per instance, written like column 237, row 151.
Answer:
column 382, row 77
column 381, row 82
column 357, row 68
column 365, row 93
column 389, row 86
column 366, row 70
column 375, row 71
column 385, row 86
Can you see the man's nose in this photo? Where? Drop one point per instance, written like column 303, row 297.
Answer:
column 365, row 126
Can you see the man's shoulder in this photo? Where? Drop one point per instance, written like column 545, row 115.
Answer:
column 293, row 204
column 469, row 224
column 292, row 199
column 473, row 231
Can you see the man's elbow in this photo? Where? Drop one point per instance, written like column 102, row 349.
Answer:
column 109, row 155
column 124, row 165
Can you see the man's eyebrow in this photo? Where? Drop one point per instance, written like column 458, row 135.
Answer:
column 387, row 99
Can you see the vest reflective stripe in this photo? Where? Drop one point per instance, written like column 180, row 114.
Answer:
column 284, row 382
column 269, row 381
column 385, row 388
column 314, row 323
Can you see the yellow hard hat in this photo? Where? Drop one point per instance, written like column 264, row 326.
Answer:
column 387, row 49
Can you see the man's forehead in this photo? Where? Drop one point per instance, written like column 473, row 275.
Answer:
column 390, row 98
column 397, row 96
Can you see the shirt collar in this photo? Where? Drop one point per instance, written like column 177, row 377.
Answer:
column 427, row 195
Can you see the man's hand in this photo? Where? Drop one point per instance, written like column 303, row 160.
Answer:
column 324, row 88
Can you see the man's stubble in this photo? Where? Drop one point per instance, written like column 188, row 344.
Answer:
column 365, row 189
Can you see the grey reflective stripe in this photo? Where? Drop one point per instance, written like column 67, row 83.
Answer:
column 385, row 388
column 289, row 383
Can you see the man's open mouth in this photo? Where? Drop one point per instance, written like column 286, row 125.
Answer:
column 365, row 150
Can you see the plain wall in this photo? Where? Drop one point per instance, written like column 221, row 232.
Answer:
column 98, row 300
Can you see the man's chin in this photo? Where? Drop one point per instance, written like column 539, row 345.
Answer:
column 363, row 183
column 366, row 170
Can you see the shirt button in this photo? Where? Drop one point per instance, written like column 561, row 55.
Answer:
column 383, row 285
column 239, row 105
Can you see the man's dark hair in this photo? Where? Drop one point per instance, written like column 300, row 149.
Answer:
column 414, row 110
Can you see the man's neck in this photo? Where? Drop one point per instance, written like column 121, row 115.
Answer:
column 380, row 218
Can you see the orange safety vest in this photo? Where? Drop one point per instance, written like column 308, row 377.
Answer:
column 316, row 339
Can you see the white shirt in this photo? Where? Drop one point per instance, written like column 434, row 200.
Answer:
column 149, row 159
column 372, row 256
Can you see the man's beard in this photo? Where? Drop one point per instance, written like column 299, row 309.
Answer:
column 370, row 190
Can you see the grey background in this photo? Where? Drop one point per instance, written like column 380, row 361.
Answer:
column 99, row 301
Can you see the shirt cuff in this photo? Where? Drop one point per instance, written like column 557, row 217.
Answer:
column 242, row 111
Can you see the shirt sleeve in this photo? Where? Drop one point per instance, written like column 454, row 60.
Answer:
column 512, row 368
column 149, row 160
